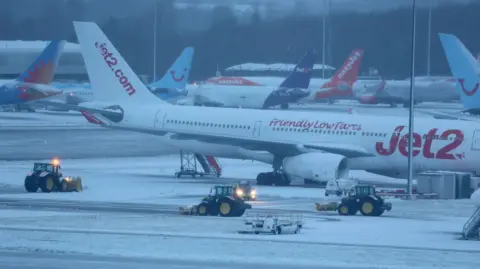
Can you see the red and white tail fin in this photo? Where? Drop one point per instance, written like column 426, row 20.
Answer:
column 348, row 73
column 341, row 83
column 110, row 75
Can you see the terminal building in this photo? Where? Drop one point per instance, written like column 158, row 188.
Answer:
column 16, row 56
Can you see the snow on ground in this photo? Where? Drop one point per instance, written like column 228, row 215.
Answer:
column 150, row 179
column 351, row 242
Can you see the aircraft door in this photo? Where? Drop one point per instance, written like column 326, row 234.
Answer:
column 476, row 140
column 159, row 119
column 256, row 128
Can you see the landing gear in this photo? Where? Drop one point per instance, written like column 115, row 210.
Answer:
column 273, row 178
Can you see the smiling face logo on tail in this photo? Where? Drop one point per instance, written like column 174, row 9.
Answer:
column 178, row 79
column 461, row 81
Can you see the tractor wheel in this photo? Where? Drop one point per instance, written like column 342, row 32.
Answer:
column 202, row 209
column 47, row 184
column 227, row 208
column 343, row 210
column 368, row 207
column 31, row 184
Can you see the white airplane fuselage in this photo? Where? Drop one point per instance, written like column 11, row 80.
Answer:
column 438, row 144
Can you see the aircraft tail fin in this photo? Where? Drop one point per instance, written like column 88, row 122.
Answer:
column 348, row 73
column 42, row 70
column 463, row 67
column 110, row 75
column 177, row 76
column 301, row 74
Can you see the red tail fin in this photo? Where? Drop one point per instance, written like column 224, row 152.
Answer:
column 342, row 81
column 348, row 73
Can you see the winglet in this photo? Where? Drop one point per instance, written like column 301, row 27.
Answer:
column 463, row 67
column 90, row 118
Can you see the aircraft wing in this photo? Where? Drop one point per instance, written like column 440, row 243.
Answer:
column 280, row 147
column 80, row 108
column 450, row 116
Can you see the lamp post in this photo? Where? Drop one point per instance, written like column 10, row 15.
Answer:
column 410, row 114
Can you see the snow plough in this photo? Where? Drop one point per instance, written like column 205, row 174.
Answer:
column 221, row 201
column 361, row 198
column 48, row 178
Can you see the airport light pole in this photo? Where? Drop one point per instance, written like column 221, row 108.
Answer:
column 410, row 114
column 324, row 39
column 429, row 36
column 154, row 41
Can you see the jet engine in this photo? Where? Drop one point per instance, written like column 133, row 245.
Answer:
column 316, row 166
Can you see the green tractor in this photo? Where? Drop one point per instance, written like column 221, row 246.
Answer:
column 243, row 190
column 365, row 199
column 48, row 178
column 222, row 201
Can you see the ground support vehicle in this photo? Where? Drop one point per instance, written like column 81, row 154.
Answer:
column 221, row 201
column 361, row 198
column 274, row 223
column 48, row 178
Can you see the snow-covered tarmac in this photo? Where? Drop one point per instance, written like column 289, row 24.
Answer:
column 127, row 215
column 142, row 222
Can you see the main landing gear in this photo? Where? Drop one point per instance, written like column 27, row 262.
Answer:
column 273, row 178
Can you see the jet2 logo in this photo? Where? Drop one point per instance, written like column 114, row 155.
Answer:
column 465, row 91
column 111, row 62
column 349, row 65
column 425, row 148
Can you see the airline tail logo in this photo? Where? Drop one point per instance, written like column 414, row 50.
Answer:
column 351, row 61
column 111, row 61
column 303, row 70
column 178, row 79
column 461, row 81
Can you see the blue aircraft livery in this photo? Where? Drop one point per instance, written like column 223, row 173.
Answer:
column 41, row 71
column 295, row 86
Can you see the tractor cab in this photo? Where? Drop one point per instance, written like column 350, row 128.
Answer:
column 46, row 167
column 362, row 191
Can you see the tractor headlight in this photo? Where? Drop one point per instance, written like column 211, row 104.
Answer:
column 253, row 193
column 239, row 192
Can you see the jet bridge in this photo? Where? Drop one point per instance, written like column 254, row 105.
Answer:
column 189, row 165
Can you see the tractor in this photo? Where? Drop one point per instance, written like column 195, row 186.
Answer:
column 222, row 201
column 243, row 190
column 48, row 178
column 365, row 199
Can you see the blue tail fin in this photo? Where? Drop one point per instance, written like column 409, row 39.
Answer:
column 301, row 74
column 42, row 70
column 464, row 69
column 177, row 76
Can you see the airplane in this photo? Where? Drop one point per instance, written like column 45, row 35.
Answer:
column 291, row 90
column 341, row 83
column 33, row 83
column 298, row 144
column 466, row 72
column 171, row 87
